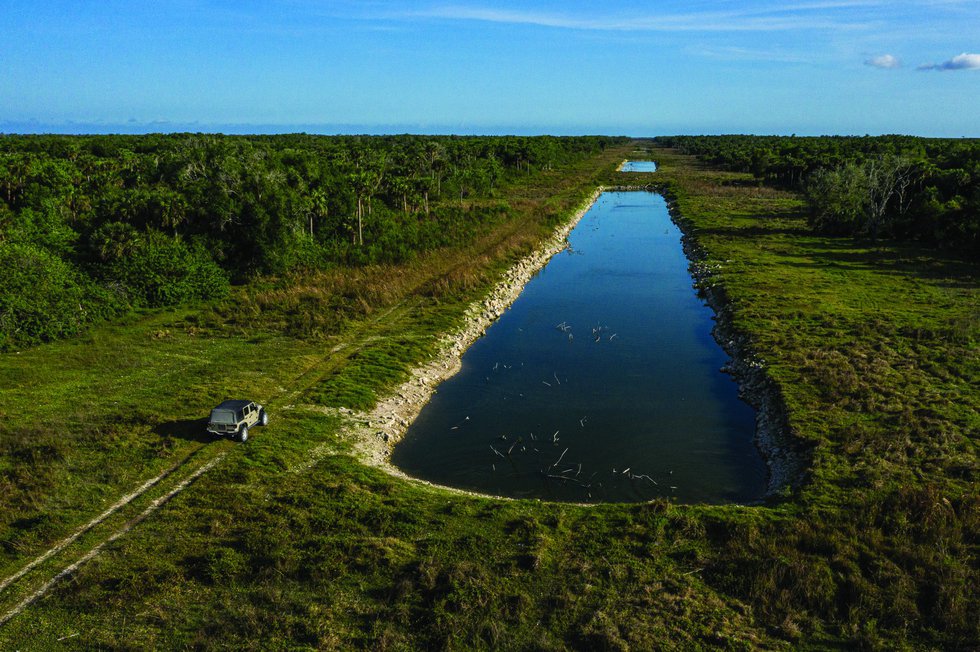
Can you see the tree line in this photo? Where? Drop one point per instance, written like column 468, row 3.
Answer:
column 923, row 189
column 91, row 226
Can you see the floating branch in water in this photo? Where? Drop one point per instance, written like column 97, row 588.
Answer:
column 566, row 479
column 558, row 461
column 554, row 437
column 598, row 331
column 546, row 383
column 582, row 421
column 497, row 452
column 555, row 373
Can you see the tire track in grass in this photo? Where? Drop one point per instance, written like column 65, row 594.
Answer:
column 361, row 336
column 91, row 554
column 337, row 354
column 61, row 545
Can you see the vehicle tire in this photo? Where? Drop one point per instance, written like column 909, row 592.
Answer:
column 242, row 434
column 263, row 418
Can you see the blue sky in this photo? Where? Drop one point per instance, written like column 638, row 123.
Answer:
column 569, row 67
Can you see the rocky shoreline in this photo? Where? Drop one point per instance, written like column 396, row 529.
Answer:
column 375, row 433
column 785, row 457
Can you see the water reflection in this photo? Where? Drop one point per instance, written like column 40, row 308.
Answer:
column 601, row 383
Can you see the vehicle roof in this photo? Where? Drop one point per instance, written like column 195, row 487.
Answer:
column 232, row 404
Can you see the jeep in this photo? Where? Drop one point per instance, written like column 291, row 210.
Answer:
column 234, row 418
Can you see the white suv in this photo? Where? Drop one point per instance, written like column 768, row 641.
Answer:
column 234, row 418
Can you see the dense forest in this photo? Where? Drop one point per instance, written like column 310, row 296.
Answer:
column 92, row 226
column 924, row 189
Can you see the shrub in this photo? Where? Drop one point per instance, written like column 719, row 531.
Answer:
column 41, row 296
column 837, row 199
column 159, row 270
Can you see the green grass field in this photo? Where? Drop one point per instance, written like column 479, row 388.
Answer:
column 290, row 542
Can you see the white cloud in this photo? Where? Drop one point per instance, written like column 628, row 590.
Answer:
column 959, row 62
column 884, row 61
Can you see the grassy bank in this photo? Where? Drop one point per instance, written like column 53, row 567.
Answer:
column 874, row 349
column 292, row 542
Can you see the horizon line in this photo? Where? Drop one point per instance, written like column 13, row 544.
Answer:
column 168, row 127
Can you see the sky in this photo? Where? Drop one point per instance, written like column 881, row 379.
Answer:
column 491, row 66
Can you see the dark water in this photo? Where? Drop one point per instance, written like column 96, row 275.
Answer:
column 600, row 383
column 639, row 166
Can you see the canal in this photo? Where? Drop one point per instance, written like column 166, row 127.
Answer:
column 600, row 383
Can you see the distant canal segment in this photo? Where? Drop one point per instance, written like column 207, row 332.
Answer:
column 601, row 382
column 639, row 166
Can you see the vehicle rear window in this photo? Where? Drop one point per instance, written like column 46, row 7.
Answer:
column 222, row 416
